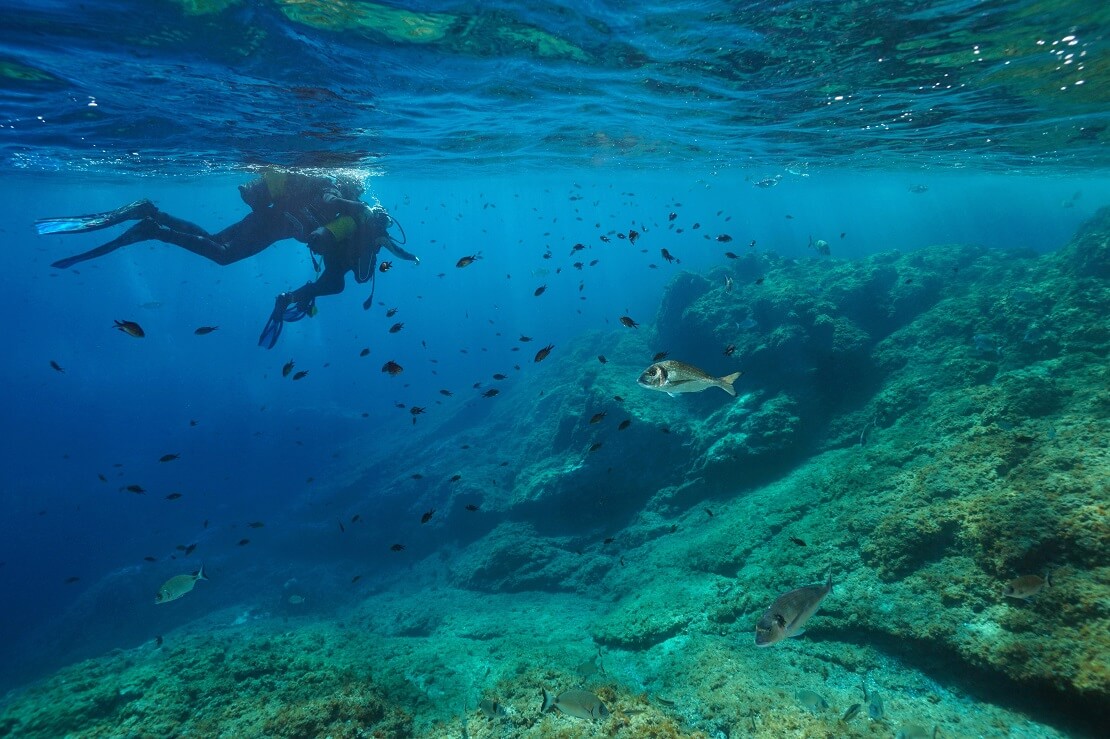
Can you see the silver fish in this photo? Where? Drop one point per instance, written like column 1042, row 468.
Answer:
column 673, row 377
column 178, row 586
column 575, row 702
column 788, row 614
column 1026, row 586
column 875, row 706
column 812, row 702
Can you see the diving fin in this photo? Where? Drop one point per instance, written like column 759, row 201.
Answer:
column 95, row 221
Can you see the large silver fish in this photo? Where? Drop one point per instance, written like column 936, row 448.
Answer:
column 788, row 614
column 673, row 377
column 178, row 586
column 575, row 702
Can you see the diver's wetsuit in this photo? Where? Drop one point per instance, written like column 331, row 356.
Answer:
column 284, row 205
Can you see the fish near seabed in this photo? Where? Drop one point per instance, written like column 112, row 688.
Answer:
column 575, row 702
column 178, row 586
column 673, row 377
column 788, row 614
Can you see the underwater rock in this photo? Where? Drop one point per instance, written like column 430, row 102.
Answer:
column 512, row 558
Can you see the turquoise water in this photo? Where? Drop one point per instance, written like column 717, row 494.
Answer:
column 923, row 406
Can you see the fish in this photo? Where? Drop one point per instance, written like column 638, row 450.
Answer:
column 173, row 496
column 397, row 548
column 728, row 284
column 396, row 327
column 287, row 368
column 467, row 261
column 730, row 255
column 542, row 353
column 446, row 393
column 659, row 356
column 524, row 339
column 205, row 330
column 768, row 181
column 73, row 579
column 255, row 525
column 491, row 708
column 416, row 410
column 1026, row 586
column 597, row 417
column 632, row 236
column 301, row 375
column 137, row 489
column 669, row 257
column 491, row 393
column 627, row 321
column 671, row 216
column 709, row 512
column 729, row 350
column 471, row 507
column 296, row 599
column 169, row 457
column 391, row 312
column 189, row 549
column 812, row 702
column 456, row 477
column 624, row 424
column 724, row 238
column 158, row 640
column 851, row 712
column 385, row 266
column 148, row 558
column 575, row 702
column 130, row 328
column 796, row 540
column 601, row 358
column 100, row 476
column 428, row 515
column 500, row 376
column 788, row 614
column 178, row 586
column 595, row 446
column 913, row 731
column 56, row 367
column 356, row 578
column 673, row 377
column 539, row 290
column 875, row 706
column 918, row 189
column 364, row 352
column 392, row 368
column 759, row 280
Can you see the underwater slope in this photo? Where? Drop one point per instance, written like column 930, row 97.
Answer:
column 927, row 426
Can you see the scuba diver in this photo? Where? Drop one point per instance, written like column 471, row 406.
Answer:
column 348, row 244
column 284, row 205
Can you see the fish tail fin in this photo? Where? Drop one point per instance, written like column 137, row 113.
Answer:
column 726, row 383
column 548, row 701
column 200, row 574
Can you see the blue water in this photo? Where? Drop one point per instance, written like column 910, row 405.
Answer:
column 474, row 143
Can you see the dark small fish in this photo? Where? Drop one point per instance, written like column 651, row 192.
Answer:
column 577, row 247
column 632, row 236
column 601, row 358
column 130, row 328
column 729, row 350
column 605, row 238
column 158, row 640
column 150, row 559
column 627, row 321
column 796, row 540
column 244, row 542
column 287, row 368
column 56, row 367
column 595, row 446
column 492, row 392
column 539, row 290
column 597, row 417
column 759, row 280
column 396, row 327
column 668, row 256
column 416, row 410
column 342, row 530
column 255, row 525
column 671, row 216
column 189, row 549
column 524, row 338
column 356, row 518
column 392, row 368
column 908, row 281
column 417, row 476
column 137, row 489
column 192, row 422
column 456, row 478
column 173, row 496
column 205, row 330
column 397, row 548
column 851, row 712
column 446, row 393
column 385, row 266
column 101, row 477
column 752, row 244
column 709, row 513
column 500, row 376
column 724, row 238
column 659, row 356
column 391, row 312
column 467, row 261
column 169, row 457
column 364, row 352
column 730, row 255
column 624, row 424
column 428, row 515
column 301, row 375
column 471, row 507
column 71, row 580
column 356, row 578
column 542, row 353
column 608, row 540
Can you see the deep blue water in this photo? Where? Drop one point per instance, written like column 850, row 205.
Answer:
column 475, row 144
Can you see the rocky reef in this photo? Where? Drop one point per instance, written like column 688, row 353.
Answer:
column 925, row 426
